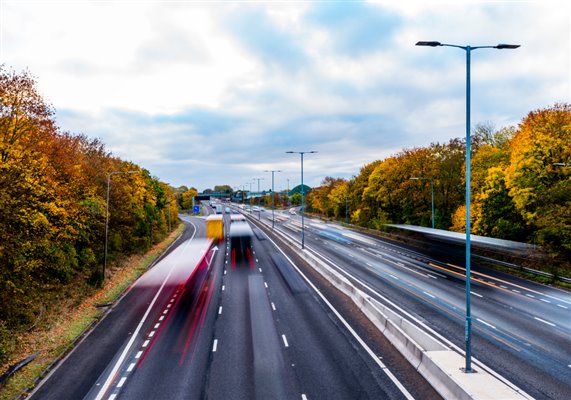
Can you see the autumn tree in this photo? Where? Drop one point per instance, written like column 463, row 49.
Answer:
column 186, row 198
column 540, row 189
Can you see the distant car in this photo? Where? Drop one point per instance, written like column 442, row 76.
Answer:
column 255, row 208
column 227, row 210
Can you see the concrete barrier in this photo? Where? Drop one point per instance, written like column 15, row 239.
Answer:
column 436, row 362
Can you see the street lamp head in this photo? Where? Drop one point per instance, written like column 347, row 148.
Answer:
column 431, row 44
column 506, row 46
column 290, row 152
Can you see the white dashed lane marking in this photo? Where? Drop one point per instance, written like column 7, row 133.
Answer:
column 544, row 321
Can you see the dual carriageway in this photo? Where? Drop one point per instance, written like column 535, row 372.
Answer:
column 262, row 324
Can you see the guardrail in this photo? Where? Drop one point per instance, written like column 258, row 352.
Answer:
column 524, row 269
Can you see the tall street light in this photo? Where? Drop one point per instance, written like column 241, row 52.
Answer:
column 414, row 178
column 107, row 217
column 273, row 194
column 468, row 50
column 259, row 209
column 250, row 192
column 301, row 153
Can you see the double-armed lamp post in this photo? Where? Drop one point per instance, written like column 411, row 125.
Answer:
column 301, row 153
column 273, row 197
column 259, row 205
column 468, row 50
column 107, row 217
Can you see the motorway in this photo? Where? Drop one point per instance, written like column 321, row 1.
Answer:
column 207, row 323
column 521, row 329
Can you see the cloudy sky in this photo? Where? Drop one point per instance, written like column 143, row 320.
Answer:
column 204, row 93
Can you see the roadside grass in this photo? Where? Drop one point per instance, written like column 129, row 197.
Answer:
column 74, row 318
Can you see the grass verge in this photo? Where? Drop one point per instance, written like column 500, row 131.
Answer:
column 74, row 319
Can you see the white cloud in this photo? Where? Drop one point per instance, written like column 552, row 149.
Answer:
column 210, row 93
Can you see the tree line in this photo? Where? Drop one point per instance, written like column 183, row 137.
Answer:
column 520, row 184
column 53, row 203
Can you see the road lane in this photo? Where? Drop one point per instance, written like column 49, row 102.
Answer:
column 78, row 372
column 521, row 329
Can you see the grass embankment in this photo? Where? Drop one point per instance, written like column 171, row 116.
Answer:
column 73, row 319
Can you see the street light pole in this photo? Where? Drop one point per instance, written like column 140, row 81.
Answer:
column 107, row 217
column 273, row 194
column 301, row 153
column 468, row 50
column 432, row 192
column 259, row 209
